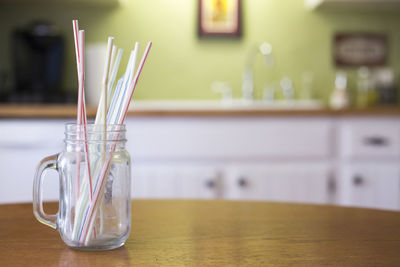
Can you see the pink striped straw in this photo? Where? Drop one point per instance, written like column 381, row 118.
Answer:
column 85, row 229
column 82, row 104
column 76, row 30
column 79, row 111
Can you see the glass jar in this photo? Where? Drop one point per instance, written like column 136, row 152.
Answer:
column 94, row 171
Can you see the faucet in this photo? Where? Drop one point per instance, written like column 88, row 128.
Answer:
column 264, row 49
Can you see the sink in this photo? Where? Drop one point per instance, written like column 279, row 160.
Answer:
column 236, row 104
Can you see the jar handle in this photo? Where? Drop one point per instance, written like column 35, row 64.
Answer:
column 47, row 219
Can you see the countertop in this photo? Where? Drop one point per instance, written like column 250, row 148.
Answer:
column 69, row 111
column 216, row 233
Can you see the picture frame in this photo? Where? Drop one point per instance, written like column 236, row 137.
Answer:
column 219, row 18
column 360, row 49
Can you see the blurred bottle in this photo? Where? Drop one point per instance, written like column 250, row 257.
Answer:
column 287, row 88
column 307, row 80
column 366, row 93
column 339, row 98
column 385, row 84
column 270, row 92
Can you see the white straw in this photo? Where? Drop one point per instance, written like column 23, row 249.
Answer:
column 103, row 101
column 106, row 76
column 112, row 109
column 128, row 77
column 127, row 100
column 75, row 27
column 113, row 75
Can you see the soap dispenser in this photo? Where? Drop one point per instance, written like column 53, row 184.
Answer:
column 339, row 98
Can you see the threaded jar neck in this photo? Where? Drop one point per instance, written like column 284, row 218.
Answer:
column 94, row 133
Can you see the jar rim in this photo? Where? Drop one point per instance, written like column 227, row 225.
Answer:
column 95, row 133
column 93, row 128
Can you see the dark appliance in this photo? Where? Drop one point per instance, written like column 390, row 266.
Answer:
column 38, row 57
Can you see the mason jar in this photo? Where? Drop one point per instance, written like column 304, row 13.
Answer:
column 94, row 201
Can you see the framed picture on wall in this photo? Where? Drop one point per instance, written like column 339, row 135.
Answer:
column 219, row 18
column 360, row 49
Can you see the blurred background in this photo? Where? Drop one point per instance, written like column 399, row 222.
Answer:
column 297, row 101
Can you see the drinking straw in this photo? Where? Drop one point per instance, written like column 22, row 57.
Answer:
column 82, row 104
column 128, row 77
column 106, row 76
column 117, row 92
column 86, row 209
column 75, row 30
column 112, row 62
column 81, row 212
column 132, row 87
column 81, row 113
column 91, row 210
column 121, row 86
column 114, row 72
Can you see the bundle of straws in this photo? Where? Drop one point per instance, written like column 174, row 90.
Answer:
column 112, row 109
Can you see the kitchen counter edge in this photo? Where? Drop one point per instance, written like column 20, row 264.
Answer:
column 23, row 111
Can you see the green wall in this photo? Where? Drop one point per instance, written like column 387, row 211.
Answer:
column 182, row 66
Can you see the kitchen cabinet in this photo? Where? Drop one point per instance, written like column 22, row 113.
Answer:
column 371, row 185
column 228, row 139
column 287, row 182
column 368, row 162
column 175, row 181
column 22, row 145
column 369, row 139
column 232, row 158
column 346, row 160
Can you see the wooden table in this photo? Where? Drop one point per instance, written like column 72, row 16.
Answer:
column 216, row 233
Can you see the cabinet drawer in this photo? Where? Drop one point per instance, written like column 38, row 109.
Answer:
column 376, row 138
column 306, row 183
column 370, row 185
column 228, row 138
column 31, row 134
column 175, row 181
column 23, row 143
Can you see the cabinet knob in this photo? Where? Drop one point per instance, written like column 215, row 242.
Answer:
column 376, row 141
column 242, row 182
column 210, row 184
column 358, row 180
column 332, row 184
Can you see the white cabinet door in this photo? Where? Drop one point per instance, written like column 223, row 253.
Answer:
column 370, row 139
column 307, row 183
column 373, row 185
column 23, row 143
column 175, row 181
column 227, row 138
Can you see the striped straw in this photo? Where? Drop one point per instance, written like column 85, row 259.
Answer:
column 79, row 115
column 82, row 104
column 112, row 111
column 91, row 210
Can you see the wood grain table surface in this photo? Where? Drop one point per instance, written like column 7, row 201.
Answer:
column 216, row 233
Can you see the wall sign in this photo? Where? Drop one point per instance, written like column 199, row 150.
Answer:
column 360, row 49
column 219, row 18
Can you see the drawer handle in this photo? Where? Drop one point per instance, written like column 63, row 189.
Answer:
column 210, row 184
column 358, row 180
column 376, row 141
column 242, row 182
